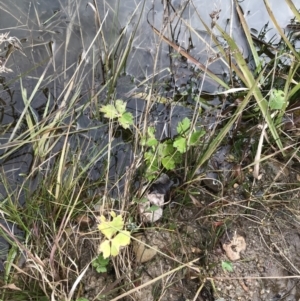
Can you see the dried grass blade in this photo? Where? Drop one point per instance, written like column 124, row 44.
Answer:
column 213, row 78
column 293, row 9
column 154, row 280
column 230, row 64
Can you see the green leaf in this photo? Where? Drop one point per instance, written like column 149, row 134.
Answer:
column 114, row 251
column 143, row 141
column 112, row 247
column 151, row 131
column 82, row 299
column 152, row 208
column 166, row 149
column 118, row 111
column 151, row 142
column 100, row 260
column 151, row 175
column 109, row 111
column 168, row 162
column 277, row 99
column 100, row 264
column 149, row 156
column 141, row 200
column 180, row 144
column 177, row 157
column 152, row 170
column 120, row 106
column 126, row 120
column 101, row 269
column 152, row 164
column 183, row 126
column 227, row 266
column 195, row 137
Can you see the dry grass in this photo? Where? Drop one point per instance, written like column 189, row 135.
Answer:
column 62, row 199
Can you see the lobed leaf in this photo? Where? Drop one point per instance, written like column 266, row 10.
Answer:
column 227, row 266
column 151, row 142
column 122, row 239
column 166, row 149
column 109, row 111
column 110, row 228
column 195, row 137
column 180, row 144
column 183, row 126
column 120, row 106
column 126, row 120
column 168, row 162
column 277, row 99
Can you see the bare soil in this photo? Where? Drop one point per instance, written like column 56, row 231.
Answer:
column 268, row 268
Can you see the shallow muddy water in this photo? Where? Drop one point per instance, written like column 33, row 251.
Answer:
column 64, row 31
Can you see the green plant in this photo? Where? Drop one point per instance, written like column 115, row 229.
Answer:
column 227, row 266
column 118, row 111
column 168, row 153
column 116, row 236
column 277, row 100
column 100, row 263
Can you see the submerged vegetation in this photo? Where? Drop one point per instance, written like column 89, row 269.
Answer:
column 91, row 143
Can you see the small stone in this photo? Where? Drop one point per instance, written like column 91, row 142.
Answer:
column 236, row 185
column 142, row 252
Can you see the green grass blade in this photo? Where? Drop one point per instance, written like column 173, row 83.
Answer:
column 222, row 51
column 122, row 61
column 250, row 83
column 28, row 102
column 222, row 134
column 248, row 36
column 283, row 36
column 294, row 91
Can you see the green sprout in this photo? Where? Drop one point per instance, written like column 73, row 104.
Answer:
column 100, row 263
